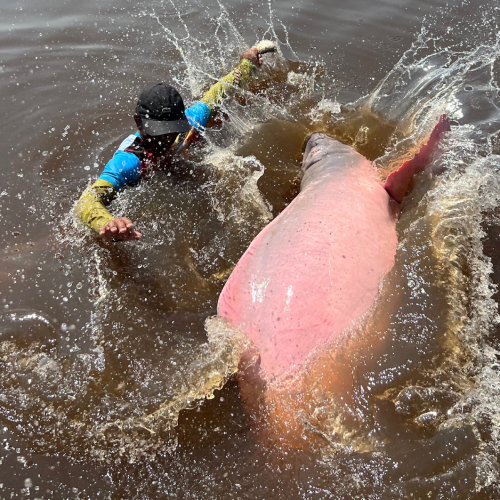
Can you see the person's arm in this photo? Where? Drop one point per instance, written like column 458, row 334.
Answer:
column 91, row 207
column 240, row 74
column 121, row 170
column 200, row 112
column 250, row 60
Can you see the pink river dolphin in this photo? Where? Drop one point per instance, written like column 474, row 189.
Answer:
column 315, row 270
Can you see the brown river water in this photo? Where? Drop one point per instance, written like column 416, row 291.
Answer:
column 116, row 379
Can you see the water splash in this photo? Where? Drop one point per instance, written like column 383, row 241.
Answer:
column 451, row 203
column 111, row 384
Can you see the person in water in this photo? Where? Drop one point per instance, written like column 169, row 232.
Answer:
column 165, row 128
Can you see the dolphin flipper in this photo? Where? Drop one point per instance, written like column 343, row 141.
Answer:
column 398, row 182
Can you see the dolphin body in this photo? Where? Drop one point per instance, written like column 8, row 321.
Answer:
column 316, row 269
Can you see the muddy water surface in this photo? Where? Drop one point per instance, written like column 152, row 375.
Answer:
column 112, row 384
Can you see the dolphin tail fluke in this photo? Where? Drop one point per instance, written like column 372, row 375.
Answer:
column 398, row 182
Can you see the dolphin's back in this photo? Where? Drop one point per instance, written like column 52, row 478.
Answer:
column 316, row 269
column 326, row 155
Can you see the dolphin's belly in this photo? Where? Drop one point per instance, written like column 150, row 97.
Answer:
column 316, row 269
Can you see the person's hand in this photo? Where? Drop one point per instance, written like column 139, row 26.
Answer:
column 253, row 56
column 121, row 229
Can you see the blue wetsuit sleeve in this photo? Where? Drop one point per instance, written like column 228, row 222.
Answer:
column 198, row 115
column 123, row 169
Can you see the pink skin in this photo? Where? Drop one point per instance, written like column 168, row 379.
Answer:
column 397, row 183
column 122, row 228
column 315, row 271
column 317, row 267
